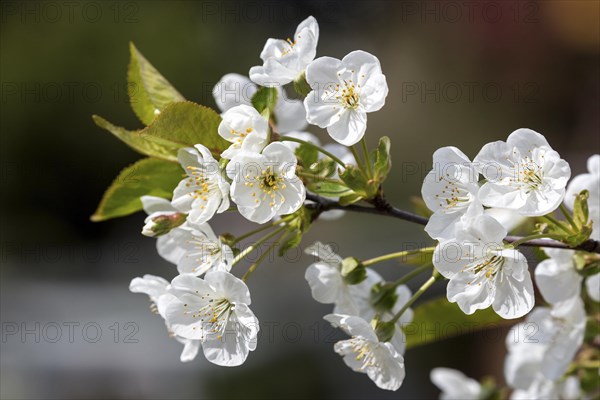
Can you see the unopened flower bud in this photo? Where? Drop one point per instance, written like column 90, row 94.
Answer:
column 158, row 224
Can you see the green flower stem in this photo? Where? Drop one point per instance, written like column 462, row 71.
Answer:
column 414, row 298
column 318, row 177
column 568, row 216
column 359, row 162
column 257, row 263
column 399, row 254
column 554, row 221
column 328, row 154
column 538, row 236
column 412, row 274
column 367, row 158
column 260, row 241
column 258, row 230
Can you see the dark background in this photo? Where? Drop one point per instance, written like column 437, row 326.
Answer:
column 460, row 73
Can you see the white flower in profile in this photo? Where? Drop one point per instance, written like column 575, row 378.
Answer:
column 343, row 92
column 265, row 185
column 215, row 311
column 364, row 353
column 449, row 190
column 328, row 286
column 195, row 249
column 592, row 285
column 285, row 60
column 204, row 191
column 455, row 385
column 523, row 174
column 545, row 344
column 590, row 182
column 235, row 89
column 482, row 271
column 245, row 129
column 556, row 276
column 156, row 288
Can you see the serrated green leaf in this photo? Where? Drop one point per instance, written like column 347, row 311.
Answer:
column 186, row 124
column 148, row 176
column 148, row 89
column 382, row 163
column 265, row 98
column 329, row 189
column 307, row 155
column 439, row 319
column 137, row 142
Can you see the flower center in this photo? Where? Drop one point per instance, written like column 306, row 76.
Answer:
column 489, row 266
column 200, row 182
column 214, row 315
column 453, row 196
column 349, row 97
column 288, row 49
column 270, row 184
column 237, row 142
column 363, row 349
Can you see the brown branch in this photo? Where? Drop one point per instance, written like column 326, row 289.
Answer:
column 382, row 207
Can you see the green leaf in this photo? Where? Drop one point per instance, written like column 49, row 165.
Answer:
column 324, row 167
column 186, row 124
column 580, row 209
column 439, row 319
column 355, row 180
column 148, row 89
column 382, row 163
column 307, row 155
column 329, row 189
column 137, row 142
column 265, row 98
column 148, row 176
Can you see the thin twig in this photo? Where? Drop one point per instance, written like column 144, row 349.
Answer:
column 382, row 207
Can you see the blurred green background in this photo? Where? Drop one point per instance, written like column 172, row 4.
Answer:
column 460, row 73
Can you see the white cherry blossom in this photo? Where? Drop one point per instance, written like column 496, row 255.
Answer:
column 556, row 276
column 591, row 182
column 455, row 385
column 215, row 311
column 483, row 272
column 523, row 174
column 204, row 191
column 450, row 190
column 265, row 185
column 343, row 92
column 545, row 344
column 235, row 89
column 245, row 129
column 195, row 249
column 285, row 61
column 364, row 353
column 328, row 286
column 156, row 288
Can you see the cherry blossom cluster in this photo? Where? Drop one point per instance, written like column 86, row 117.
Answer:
column 267, row 177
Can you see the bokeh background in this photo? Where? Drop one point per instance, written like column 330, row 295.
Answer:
column 460, row 73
